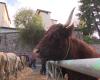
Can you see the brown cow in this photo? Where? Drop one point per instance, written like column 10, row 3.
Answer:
column 58, row 44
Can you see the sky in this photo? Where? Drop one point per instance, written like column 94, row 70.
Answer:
column 60, row 9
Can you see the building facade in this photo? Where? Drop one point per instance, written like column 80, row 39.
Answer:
column 4, row 17
column 10, row 42
column 46, row 20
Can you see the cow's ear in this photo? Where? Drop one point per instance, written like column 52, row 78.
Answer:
column 69, row 30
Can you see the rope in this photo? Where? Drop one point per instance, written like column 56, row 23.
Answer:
column 67, row 50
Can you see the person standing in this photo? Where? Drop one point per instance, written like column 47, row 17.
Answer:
column 43, row 66
column 33, row 61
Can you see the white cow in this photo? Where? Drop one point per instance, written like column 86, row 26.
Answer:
column 3, row 60
column 11, row 64
column 18, row 64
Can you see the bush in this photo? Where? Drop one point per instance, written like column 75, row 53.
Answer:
column 90, row 40
column 87, row 39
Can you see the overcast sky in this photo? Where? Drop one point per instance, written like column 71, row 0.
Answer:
column 59, row 9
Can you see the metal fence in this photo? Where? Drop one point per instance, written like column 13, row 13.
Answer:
column 85, row 66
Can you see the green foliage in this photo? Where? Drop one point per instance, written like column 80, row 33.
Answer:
column 87, row 39
column 85, row 14
column 29, row 26
column 90, row 40
column 83, row 28
column 22, row 17
column 87, row 9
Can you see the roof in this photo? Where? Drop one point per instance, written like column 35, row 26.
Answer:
column 54, row 19
column 8, row 28
column 6, row 10
column 40, row 10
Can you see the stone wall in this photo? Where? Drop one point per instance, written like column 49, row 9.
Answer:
column 9, row 42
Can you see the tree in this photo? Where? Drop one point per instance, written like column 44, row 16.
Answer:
column 88, row 11
column 83, row 28
column 96, row 14
column 29, row 26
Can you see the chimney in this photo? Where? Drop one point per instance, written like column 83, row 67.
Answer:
column 4, row 17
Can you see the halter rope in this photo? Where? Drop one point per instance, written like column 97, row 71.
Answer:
column 67, row 50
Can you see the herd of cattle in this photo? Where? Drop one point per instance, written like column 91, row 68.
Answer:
column 10, row 64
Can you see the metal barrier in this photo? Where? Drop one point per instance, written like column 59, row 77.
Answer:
column 86, row 66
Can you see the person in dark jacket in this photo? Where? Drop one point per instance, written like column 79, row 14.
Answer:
column 43, row 67
column 32, row 61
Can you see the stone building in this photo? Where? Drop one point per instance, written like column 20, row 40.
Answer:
column 46, row 20
column 4, row 16
column 8, row 36
column 10, row 42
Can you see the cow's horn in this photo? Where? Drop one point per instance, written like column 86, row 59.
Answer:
column 70, row 18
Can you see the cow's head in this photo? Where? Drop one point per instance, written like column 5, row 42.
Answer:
column 53, row 45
